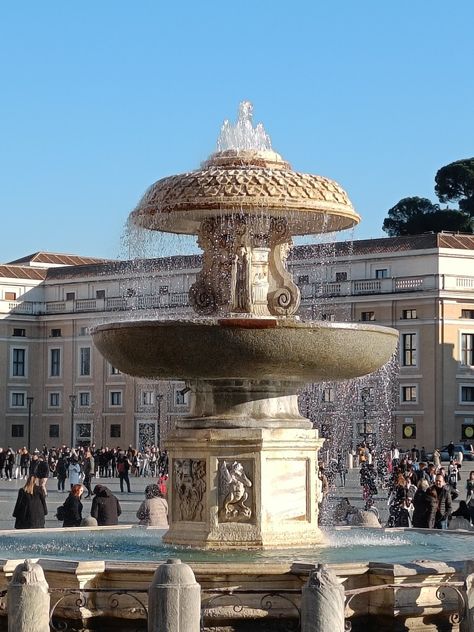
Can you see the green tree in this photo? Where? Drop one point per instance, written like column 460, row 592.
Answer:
column 415, row 215
column 455, row 182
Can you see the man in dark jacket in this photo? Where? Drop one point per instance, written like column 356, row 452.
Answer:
column 105, row 506
column 444, row 503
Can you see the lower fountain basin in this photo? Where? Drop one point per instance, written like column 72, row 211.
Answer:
column 209, row 349
column 139, row 544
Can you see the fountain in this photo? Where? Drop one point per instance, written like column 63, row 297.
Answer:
column 247, row 354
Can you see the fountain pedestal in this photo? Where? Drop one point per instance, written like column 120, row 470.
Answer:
column 248, row 484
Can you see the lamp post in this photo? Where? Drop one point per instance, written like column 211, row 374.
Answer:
column 365, row 397
column 29, row 401
column 159, row 397
column 72, row 399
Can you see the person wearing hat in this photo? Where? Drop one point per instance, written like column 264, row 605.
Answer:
column 153, row 512
column 105, row 506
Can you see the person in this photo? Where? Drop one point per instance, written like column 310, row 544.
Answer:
column 105, row 506
column 61, row 472
column 123, row 468
column 470, row 494
column 30, row 508
column 444, row 503
column 341, row 469
column 436, row 458
column 153, row 512
column 74, row 472
column 89, row 466
column 73, row 507
column 451, row 450
column 424, row 506
column 42, row 473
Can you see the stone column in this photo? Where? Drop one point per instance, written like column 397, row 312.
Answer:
column 322, row 603
column 28, row 599
column 174, row 599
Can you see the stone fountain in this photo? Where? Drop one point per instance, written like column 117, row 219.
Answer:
column 243, row 463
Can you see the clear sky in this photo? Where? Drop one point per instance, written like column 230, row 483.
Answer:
column 100, row 99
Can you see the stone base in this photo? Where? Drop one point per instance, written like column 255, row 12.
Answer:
column 243, row 487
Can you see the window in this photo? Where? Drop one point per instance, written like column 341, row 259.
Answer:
column 367, row 394
column 114, row 371
column 408, row 349
column 115, row 398
column 100, row 294
column 20, row 333
column 329, row 317
column 54, row 400
column 55, row 333
column 327, row 395
column 18, row 430
column 83, row 331
column 148, row 398
column 382, row 273
column 55, row 367
column 367, row 316
column 409, row 314
column 467, row 313
column 163, row 289
column 19, row 362
column 303, row 280
column 180, row 396
column 18, row 400
column 409, row 394
column 467, row 349
column 115, row 430
column 70, row 296
column 85, row 361
column 467, row 394
column 10, row 296
column 85, row 398
column 53, row 431
column 341, row 276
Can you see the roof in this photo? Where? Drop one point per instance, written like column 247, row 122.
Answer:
column 42, row 258
column 22, row 272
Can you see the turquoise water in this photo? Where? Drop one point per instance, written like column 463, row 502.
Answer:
column 135, row 544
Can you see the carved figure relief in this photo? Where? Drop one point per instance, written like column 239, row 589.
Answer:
column 234, row 486
column 240, row 297
column 189, row 483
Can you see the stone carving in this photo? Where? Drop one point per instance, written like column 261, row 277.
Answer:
column 240, row 283
column 190, row 488
column 233, row 493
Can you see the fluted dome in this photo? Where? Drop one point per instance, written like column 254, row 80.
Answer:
column 246, row 182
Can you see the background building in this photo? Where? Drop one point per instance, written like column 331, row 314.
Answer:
column 56, row 388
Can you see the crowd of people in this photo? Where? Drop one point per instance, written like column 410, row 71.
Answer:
column 74, row 469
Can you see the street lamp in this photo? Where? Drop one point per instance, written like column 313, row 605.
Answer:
column 72, row 399
column 29, row 401
column 159, row 397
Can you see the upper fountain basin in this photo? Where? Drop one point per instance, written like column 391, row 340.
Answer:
column 279, row 349
column 246, row 182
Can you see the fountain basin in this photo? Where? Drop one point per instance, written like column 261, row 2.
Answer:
column 206, row 349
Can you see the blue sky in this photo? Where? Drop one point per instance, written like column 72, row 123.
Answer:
column 100, row 99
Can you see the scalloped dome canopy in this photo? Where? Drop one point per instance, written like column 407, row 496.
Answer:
column 245, row 182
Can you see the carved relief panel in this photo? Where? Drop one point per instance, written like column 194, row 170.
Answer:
column 189, row 487
column 235, row 493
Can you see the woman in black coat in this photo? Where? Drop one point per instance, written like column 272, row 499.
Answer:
column 73, row 507
column 425, row 505
column 30, row 508
column 105, row 506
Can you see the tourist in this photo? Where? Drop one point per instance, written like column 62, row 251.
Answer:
column 61, row 472
column 123, row 468
column 451, row 450
column 424, row 506
column 341, row 469
column 105, row 506
column 444, row 503
column 9, row 464
column 42, row 473
column 461, row 513
column 153, row 512
column 73, row 507
column 30, row 508
column 24, row 463
column 74, row 471
column 470, row 494
column 436, row 458
column 88, row 466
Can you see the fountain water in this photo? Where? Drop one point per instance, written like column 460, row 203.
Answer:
column 247, row 355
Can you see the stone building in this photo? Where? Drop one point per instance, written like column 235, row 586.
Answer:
column 54, row 386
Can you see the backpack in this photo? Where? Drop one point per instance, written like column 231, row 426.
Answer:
column 121, row 467
column 60, row 513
